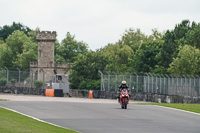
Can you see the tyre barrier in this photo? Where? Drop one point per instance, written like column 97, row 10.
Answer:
column 58, row 93
column 54, row 93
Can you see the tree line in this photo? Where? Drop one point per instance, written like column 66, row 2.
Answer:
column 174, row 51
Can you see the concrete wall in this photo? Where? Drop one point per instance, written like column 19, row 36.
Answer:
column 22, row 90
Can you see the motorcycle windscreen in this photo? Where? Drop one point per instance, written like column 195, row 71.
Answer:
column 124, row 91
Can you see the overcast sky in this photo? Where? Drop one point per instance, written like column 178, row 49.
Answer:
column 98, row 22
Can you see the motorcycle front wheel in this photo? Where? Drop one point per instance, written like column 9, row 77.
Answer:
column 125, row 103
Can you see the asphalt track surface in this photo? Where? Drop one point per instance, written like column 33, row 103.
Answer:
column 109, row 117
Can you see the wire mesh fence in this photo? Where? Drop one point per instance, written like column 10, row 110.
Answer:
column 18, row 78
column 162, row 84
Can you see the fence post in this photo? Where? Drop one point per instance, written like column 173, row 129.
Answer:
column 190, row 88
column 156, row 84
column 199, row 89
column 130, row 84
column 115, row 82
column 19, row 80
column 43, row 76
column 188, row 91
column 177, row 86
column 101, row 80
column 160, row 83
column 193, row 89
column 181, row 84
column 7, row 72
column 137, row 82
column 164, row 84
column 147, row 82
column 116, row 78
column 31, row 77
column 151, row 83
column 108, row 81
column 168, row 83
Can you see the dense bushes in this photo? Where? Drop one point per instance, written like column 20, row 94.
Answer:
column 38, row 83
column 3, row 81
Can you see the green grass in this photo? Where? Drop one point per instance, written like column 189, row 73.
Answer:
column 3, row 100
column 188, row 107
column 11, row 122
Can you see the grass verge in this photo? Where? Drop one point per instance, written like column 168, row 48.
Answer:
column 12, row 122
column 188, row 107
column 3, row 100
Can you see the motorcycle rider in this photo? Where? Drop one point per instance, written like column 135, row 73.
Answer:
column 121, row 87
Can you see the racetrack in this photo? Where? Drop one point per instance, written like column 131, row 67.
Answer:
column 109, row 117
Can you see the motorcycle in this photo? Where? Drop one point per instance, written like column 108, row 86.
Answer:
column 124, row 98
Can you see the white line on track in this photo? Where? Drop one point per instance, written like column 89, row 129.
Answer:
column 178, row 110
column 36, row 118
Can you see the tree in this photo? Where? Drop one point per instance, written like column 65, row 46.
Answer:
column 6, row 30
column 183, row 34
column 193, row 36
column 146, row 57
column 69, row 49
column 24, row 50
column 118, row 57
column 6, row 55
column 156, row 35
column 85, row 70
column 132, row 38
column 121, row 54
column 187, row 61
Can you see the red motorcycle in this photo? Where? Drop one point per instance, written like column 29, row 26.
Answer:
column 124, row 98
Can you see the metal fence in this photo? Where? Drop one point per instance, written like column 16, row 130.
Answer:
column 162, row 84
column 19, row 78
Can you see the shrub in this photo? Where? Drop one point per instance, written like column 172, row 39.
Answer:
column 13, row 81
column 90, row 85
column 3, row 81
column 38, row 83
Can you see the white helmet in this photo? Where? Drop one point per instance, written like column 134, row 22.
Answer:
column 123, row 82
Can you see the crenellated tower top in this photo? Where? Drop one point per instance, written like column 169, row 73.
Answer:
column 46, row 36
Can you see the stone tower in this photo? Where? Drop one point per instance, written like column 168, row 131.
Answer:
column 46, row 40
column 45, row 68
